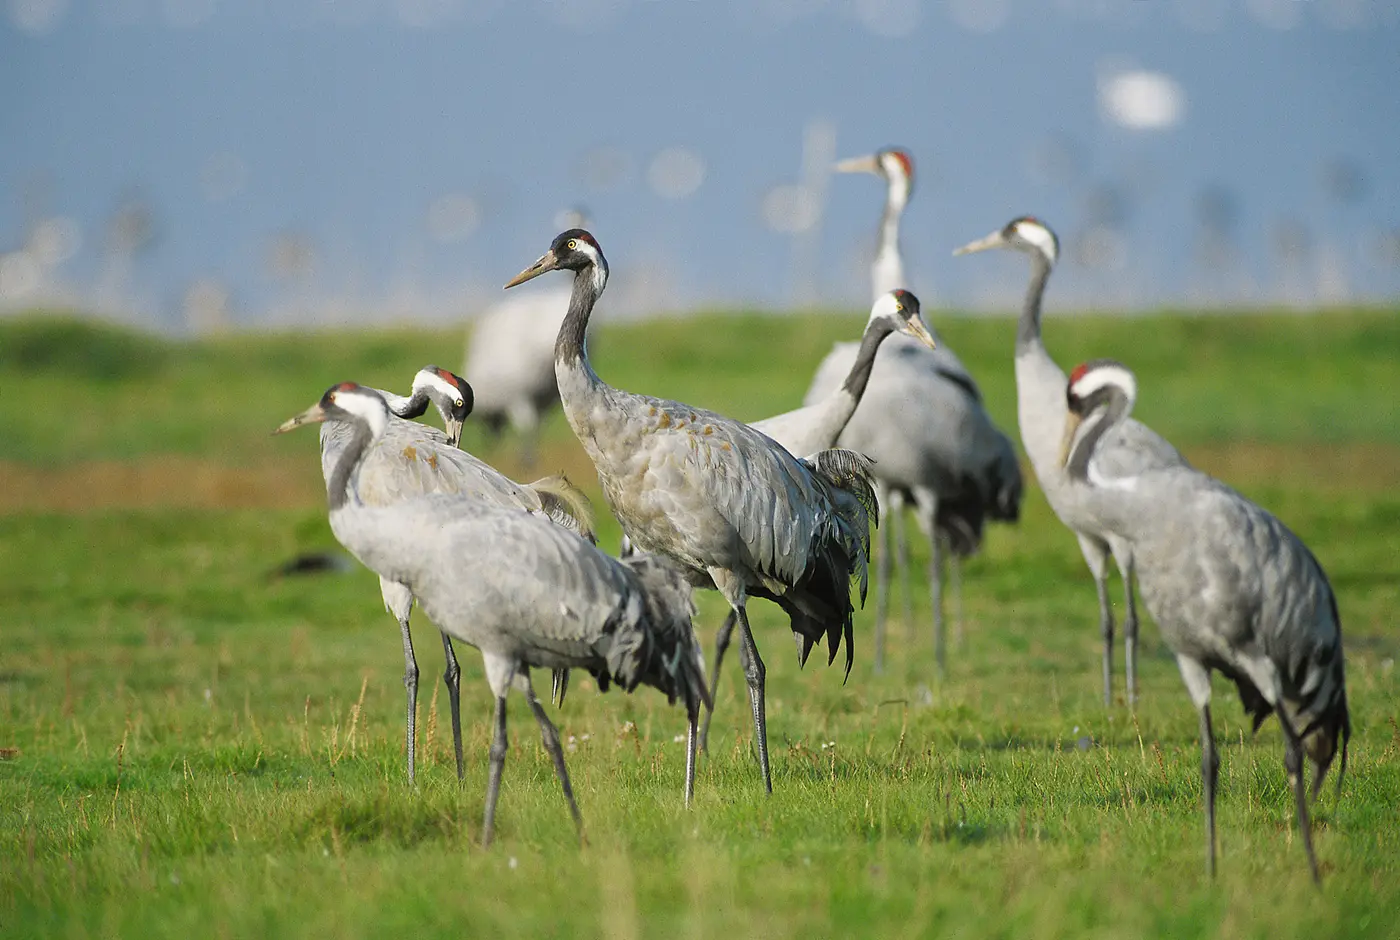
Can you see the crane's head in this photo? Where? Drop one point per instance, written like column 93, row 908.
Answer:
column 899, row 309
column 344, row 402
column 890, row 164
column 450, row 393
column 574, row 250
column 1025, row 233
column 1094, row 385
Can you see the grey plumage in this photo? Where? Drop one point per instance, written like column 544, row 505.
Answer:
column 1130, row 449
column 410, row 460
column 944, row 453
column 1232, row 589
column 520, row 589
column 736, row 511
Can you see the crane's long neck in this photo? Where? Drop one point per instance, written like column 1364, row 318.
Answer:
column 1101, row 420
column 571, row 348
column 859, row 376
column 1028, row 330
column 888, row 269
column 338, row 486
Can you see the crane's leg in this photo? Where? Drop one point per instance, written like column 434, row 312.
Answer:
column 691, row 735
column 499, row 745
column 726, row 631
column 955, row 582
column 1130, row 634
column 550, row 736
column 1197, row 679
column 1096, row 556
column 410, row 683
column 1293, row 763
column 902, row 564
column 926, row 503
column 755, row 673
column 882, row 575
column 558, row 686
column 453, row 677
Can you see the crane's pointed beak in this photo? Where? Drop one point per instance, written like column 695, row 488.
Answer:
column 313, row 415
column 454, row 432
column 546, row 263
column 1072, row 423
column 994, row 240
column 866, row 164
column 916, row 328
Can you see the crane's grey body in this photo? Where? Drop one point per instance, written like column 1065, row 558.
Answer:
column 1231, row 587
column 1128, row 449
column 407, row 461
column 942, row 451
column 519, row 588
column 736, row 511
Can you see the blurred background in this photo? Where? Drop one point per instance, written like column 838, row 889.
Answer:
column 197, row 165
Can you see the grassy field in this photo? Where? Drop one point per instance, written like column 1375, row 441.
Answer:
column 193, row 746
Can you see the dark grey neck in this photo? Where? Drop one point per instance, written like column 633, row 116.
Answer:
column 414, row 407
column 338, row 488
column 1028, row 331
column 1103, row 418
column 859, row 376
column 571, row 344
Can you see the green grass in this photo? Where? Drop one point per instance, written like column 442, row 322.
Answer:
column 202, row 749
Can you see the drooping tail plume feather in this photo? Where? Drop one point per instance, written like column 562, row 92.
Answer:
column 566, row 505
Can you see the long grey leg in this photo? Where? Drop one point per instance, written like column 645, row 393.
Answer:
column 1210, row 771
column 1293, row 763
column 955, row 581
column 935, row 588
column 410, row 682
column 726, row 631
column 453, row 677
column 691, row 734
column 755, row 673
column 499, row 745
column 1106, row 628
column 882, row 578
column 1130, row 633
column 550, row 735
column 902, row 563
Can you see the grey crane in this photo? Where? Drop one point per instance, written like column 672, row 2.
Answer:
column 1233, row 590
column 948, row 458
column 816, row 427
column 1132, row 448
column 510, row 357
column 734, row 509
column 522, row 590
column 411, row 460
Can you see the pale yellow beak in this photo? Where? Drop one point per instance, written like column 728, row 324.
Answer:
column 1071, row 428
column 994, row 240
column 313, row 415
column 867, row 164
column 542, row 266
column 915, row 327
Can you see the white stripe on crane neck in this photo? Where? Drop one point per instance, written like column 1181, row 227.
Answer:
column 426, row 377
column 1104, row 376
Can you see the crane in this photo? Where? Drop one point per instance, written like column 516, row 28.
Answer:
column 522, row 590
column 734, row 509
column 1231, row 587
column 950, row 459
column 412, row 460
column 1131, row 449
column 816, row 427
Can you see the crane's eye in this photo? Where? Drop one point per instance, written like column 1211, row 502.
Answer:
column 572, row 245
column 457, row 403
column 899, row 308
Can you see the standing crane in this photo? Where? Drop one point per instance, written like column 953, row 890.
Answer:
column 517, row 587
column 816, row 427
column 1131, row 449
column 949, row 459
column 1233, row 590
column 412, row 460
column 734, row 509
column 510, row 357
